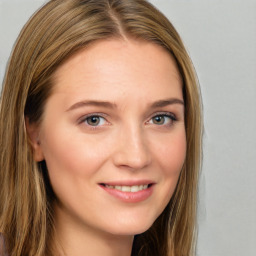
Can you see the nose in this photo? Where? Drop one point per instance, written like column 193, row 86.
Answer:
column 132, row 150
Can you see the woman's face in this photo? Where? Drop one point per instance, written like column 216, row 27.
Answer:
column 113, row 136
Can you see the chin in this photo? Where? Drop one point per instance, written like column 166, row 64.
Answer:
column 128, row 228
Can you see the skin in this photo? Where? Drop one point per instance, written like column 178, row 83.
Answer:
column 131, row 140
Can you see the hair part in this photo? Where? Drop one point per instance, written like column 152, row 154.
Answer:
column 53, row 34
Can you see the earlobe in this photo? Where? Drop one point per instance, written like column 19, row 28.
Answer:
column 32, row 130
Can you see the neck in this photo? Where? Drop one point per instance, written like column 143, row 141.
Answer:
column 76, row 239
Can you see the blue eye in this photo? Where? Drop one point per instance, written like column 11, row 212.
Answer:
column 95, row 120
column 162, row 119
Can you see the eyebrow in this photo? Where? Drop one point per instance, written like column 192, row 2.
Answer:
column 96, row 103
column 166, row 102
column 106, row 104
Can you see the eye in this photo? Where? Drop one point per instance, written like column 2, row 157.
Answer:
column 162, row 119
column 95, row 120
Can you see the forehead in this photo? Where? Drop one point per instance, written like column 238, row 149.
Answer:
column 118, row 65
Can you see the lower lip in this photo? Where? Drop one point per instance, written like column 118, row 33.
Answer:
column 130, row 197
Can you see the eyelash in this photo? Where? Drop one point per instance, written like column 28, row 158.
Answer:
column 85, row 120
column 101, row 115
column 169, row 115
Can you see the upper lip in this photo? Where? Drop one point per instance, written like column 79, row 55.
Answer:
column 128, row 182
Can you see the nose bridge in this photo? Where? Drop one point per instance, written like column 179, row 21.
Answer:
column 132, row 148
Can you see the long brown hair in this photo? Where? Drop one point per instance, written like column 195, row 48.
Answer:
column 58, row 30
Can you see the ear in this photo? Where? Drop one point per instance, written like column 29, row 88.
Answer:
column 33, row 132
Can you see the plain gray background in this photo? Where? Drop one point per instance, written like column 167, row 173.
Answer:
column 220, row 36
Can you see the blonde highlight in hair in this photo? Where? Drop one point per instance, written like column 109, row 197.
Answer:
column 54, row 33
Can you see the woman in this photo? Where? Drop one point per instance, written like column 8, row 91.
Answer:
column 100, row 134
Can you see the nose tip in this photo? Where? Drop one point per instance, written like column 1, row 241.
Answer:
column 132, row 152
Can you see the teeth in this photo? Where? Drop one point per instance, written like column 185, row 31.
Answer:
column 135, row 188
column 128, row 188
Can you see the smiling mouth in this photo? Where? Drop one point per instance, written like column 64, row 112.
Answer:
column 132, row 189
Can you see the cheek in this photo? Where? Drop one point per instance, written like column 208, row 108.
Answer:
column 74, row 162
column 68, row 159
column 73, row 167
column 171, row 153
column 68, row 151
column 71, row 162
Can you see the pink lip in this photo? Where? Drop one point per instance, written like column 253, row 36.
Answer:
column 129, row 197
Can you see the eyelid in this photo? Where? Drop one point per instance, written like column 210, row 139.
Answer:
column 83, row 118
column 164, row 113
column 170, row 115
